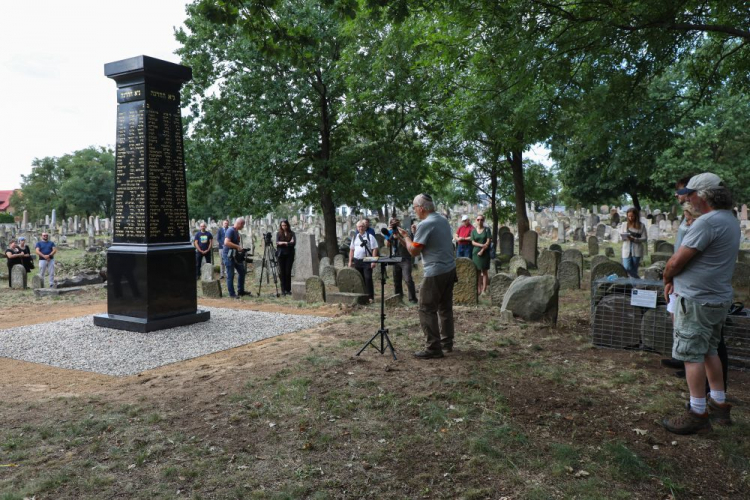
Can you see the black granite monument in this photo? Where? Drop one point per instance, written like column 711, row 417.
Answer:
column 151, row 263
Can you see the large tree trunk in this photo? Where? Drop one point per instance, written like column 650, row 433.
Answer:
column 636, row 201
column 327, row 205
column 515, row 158
column 493, row 201
column 328, row 208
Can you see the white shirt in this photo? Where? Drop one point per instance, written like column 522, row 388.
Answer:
column 359, row 250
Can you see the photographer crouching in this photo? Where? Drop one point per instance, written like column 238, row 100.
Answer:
column 234, row 259
column 285, row 242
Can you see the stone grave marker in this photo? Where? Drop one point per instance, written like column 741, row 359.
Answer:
column 533, row 298
column 19, row 277
column 609, row 252
column 207, row 272
column 339, row 261
column 465, row 290
column 574, row 255
column 328, row 275
column 601, row 231
column 665, row 247
column 315, row 290
column 593, row 242
column 211, row 289
column 604, row 269
column 517, row 262
column 549, row 261
column 530, row 247
column 348, row 280
column 555, row 248
column 507, row 242
column 597, row 259
column 306, row 262
column 499, row 284
column 37, row 282
column 740, row 282
column 569, row 275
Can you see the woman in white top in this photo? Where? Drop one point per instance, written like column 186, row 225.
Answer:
column 633, row 246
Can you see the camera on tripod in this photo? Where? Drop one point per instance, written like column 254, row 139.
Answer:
column 268, row 239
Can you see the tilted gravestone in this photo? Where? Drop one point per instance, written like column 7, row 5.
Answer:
column 499, row 284
column 465, row 289
column 549, row 260
column 18, row 277
column 507, row 241
column 305, row 257
column 348, row 280
column 533, row 298
column 328, row 275
column 315, row 290
column 569, row 275
column 593, row 242
column 530, row 247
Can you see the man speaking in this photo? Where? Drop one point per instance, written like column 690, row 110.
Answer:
column 433, row 240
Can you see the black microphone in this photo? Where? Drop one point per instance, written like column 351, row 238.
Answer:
column 386, row 233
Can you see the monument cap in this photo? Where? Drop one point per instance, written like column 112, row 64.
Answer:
column 465, row 217
column 700, row 182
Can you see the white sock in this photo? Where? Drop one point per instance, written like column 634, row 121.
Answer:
column 698, row 405
column 718, row 396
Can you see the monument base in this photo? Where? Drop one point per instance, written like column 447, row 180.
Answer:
column 143, row 325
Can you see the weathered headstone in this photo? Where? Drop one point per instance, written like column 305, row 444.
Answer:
column 530, row 247
column 533, row 298
column 151, row 265
column 348, row 280
column 604, row 269
column 18, row 277
column 593, row 242
column 569, row 275
column 305, row 257
column 315, row 290
column 499, row 284
column 211, row 289
column 465, row 289
column 597, row 259
column 665, row 247
column 574, row 255
column 609, row 252
column 339, row 261
column 37, row 282
column 324, row 261
column 556, row 248
column 549, row 261
column 328, row 275
column 506, row 243
column 207, row 272
column 740, row 282
column 517, row 262
column 660, row 257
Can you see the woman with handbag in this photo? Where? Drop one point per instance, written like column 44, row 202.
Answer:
column 285, row 242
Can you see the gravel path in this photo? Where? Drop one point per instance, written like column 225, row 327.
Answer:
column 77, row 344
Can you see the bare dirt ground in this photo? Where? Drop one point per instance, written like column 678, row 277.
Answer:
column 517, row 411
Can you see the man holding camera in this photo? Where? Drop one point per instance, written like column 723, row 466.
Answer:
column 364, row 245
column 433, row 242
column 234, row 259
column 403, row 269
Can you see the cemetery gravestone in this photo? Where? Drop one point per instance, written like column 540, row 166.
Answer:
column 599, row 259
column 151, row 264
column 507, row 241
column 530, row 246
column 465, row 289
column 349, row 280
column 315, row 290
column 593, row 246
column 499, row 284
column 306, row 257
column 569, row 275
column 549, row 261
column 575, row 256
column 604, row 269
column 18, row 277
column 665, row 247
column 328, row 275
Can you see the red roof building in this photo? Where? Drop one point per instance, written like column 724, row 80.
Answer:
column 5, row 201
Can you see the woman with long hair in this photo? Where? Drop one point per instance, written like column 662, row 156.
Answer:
column 481, row 237
column 632, row 246
column 285, row 242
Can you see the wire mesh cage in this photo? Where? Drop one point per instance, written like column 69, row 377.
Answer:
column 619, row 322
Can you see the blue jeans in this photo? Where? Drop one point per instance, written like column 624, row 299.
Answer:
column 231, row 266
column 631, row 266
column 463, row 251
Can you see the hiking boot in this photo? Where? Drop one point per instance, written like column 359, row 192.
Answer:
column 718, row 413
column 428, row 354
column 688, row 423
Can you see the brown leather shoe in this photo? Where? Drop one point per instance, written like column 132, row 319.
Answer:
column 688, row 423
column 718, row 413
column 428, row 354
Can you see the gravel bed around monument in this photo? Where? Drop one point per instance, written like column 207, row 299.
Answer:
column 77, row 344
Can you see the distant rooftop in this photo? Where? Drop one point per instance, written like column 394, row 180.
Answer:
column 5, row 200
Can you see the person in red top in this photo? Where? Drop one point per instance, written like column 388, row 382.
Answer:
column 463, row 238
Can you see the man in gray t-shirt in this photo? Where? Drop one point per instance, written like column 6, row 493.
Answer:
column 433, row 240
column 700, row 273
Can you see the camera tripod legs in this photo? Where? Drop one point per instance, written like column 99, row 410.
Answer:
column 384, row 340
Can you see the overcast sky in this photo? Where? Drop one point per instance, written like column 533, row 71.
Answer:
column 55, row 96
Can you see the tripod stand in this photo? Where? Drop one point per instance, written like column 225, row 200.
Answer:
column 383, row 332
column 269, row 265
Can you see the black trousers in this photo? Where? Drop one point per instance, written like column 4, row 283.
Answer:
column 365, row 269
column 285, row 271
column 199, row 260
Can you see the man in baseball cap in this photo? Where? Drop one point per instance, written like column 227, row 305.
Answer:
column 700, row 273
column 463, row 238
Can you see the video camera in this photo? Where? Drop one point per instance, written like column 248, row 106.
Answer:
column 268, row 238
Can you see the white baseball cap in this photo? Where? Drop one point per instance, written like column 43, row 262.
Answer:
column 700, row 182
column 465, row 217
